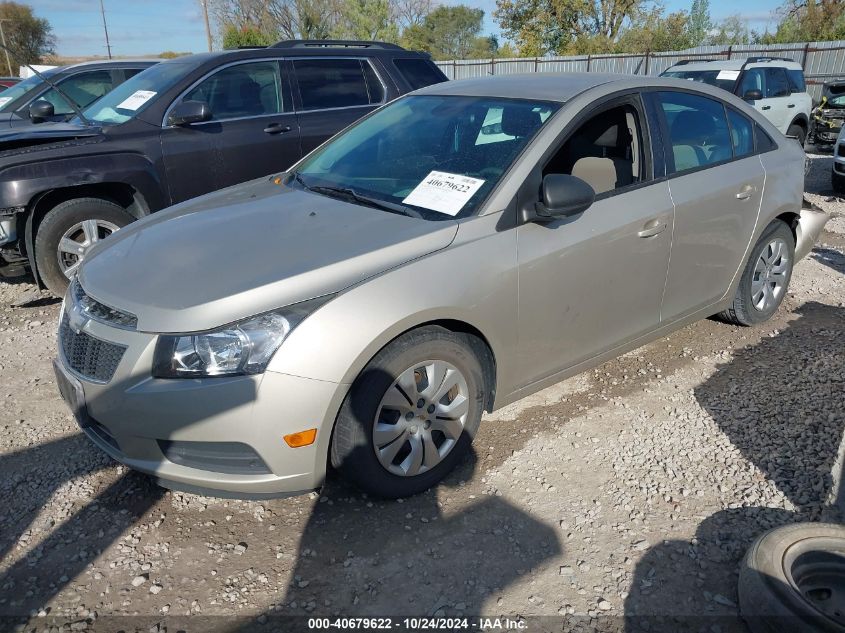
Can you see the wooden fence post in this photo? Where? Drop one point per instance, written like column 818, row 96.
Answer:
column 589, row 62
column 647, row 59
column 804, row 58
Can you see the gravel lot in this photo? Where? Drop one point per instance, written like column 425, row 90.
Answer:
column 631, row 490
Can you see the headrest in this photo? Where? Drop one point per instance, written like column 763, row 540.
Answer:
column 609, row 138
column 599, row 173
column 518, row 121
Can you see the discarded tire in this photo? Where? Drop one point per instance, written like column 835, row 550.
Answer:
column 793, row 579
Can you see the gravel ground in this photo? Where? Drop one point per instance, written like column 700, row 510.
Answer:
column 633, row 489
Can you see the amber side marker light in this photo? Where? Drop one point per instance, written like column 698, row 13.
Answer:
column 303, row 438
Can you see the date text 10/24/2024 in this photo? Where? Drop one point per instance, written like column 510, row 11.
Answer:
column 417, row 624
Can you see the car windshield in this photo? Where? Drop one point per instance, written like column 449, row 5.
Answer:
column 14, row 93
column 725, row 79
column 135, row 94
column 432, row 156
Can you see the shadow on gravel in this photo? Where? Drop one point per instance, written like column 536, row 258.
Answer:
column 781, row 403
column 30, row 477
column 830, row 257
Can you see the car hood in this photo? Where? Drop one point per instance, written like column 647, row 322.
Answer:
column 43, row 133
column 248, row 249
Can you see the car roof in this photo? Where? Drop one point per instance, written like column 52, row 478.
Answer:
column 540, row 86
column 107, row 62
column 735, row 64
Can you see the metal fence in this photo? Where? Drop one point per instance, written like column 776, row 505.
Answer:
column 821, row 61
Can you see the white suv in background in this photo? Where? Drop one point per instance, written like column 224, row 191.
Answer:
column 773, row 85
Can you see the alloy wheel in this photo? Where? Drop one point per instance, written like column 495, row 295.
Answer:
column 76, row 241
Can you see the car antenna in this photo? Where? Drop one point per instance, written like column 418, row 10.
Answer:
column 70, row 101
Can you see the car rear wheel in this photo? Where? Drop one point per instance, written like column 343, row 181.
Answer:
column 66, row 234
column 793, row 579
column 766, row 277
column 798, row 132
column 411, row 415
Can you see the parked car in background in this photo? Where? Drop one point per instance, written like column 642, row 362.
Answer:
column 774, row 86
column 8, row 82
column 180, row 129
column 459, row 249
column 34, row 100
column 828, row 116
column 838, row 170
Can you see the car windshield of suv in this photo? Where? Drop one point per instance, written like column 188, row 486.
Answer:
column 10, row 95
column 435, row 157
column 727, row 81
column 135, row 94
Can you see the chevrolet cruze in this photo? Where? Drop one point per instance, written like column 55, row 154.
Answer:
column 455, row 251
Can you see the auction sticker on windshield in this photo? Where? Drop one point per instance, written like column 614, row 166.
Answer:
column 136, row 100
column 729, row 75
column 444, row 192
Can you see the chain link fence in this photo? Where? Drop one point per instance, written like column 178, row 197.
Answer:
column 822, row 61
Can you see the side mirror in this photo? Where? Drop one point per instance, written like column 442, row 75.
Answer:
column 563, row 196
column 41, row 110
column 188, row 112
column 752, row 95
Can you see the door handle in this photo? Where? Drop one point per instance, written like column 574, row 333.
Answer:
column 277, row 128
column 766, row 108
column 745, row 193
column 652, row 228
column 791, row 105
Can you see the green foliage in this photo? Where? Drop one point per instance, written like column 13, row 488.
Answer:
column 699, row 23
column 654, row 31
column 171, row 54
column 29, row 38
column 451, row 32
column 234, row 37
column 731, row 31
column 366, row 20
column 809, row 21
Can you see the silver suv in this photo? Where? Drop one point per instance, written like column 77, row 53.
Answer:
column 455, row 251
column 775, row 86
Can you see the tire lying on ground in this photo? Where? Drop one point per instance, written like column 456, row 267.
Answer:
column 793, row 579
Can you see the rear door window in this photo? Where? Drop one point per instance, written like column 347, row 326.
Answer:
column 242, row 90
column 337, row 83
column 698, row 130
column 776, row 83
column 419, row 73
column 742, row 134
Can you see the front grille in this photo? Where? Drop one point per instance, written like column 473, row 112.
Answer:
column 99, row 311
column 88, row 356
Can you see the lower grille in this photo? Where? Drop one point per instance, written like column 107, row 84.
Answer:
column 103, row 433
column 89, row 357
column 232, row 458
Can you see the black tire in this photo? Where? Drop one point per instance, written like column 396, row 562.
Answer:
column 742, row 310
column 352, row 449
column 61, row 219
column 779, row 591
column 798, row 132
column 838, row 183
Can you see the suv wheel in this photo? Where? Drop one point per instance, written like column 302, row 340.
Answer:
column 765, row 279
column 68, row 231
column 798, row 132
column 411, row 415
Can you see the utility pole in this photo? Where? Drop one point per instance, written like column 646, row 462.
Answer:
column 204, row 4
column 3, row 41
column 105, row 28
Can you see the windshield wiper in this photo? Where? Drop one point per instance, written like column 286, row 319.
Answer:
column 351, row 194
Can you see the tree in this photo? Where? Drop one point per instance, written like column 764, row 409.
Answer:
column 542, row 26
column 731, row 31
column 699, row 24
column 652, row 31
column 411, row 12
column 366, row 20
column 237, row 37
column 29, row 38
column 450, row 33
column 810, row 21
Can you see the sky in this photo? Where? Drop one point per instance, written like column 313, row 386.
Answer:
column 146, row 27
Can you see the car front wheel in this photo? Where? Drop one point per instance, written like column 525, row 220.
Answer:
column 766, row 277
column 411, row 415
column 798, row 133
column 66, row 234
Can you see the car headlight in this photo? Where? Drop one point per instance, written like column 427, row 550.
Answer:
column 245, row 347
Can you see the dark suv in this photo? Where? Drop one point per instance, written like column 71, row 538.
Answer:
column 84, row 83
column 180, row 129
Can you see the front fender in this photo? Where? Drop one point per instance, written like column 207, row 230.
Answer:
column 335, row 343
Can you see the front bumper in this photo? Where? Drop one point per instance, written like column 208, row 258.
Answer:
column 138, row 420
column 811, row 221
